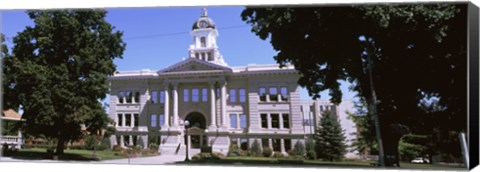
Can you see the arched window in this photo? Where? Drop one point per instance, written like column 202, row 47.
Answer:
column 203, row 42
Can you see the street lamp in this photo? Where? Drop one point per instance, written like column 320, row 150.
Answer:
column 186, row 140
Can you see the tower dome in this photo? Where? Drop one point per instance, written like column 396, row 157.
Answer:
column 204, row 21
column 204, row 46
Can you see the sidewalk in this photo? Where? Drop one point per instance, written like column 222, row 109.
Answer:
column 161, row 159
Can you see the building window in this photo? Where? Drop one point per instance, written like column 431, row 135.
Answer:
column 273, row 94
column 153, row 120
column 185, row 95
column 128, row 120
column 233, row 120
column 263, row 94
column 321, row 108
column 154, row 97
column 264, row 120
column 204, row 95
column 241, row 94
column 286, row 120
column 233, row 97
column 117, row 138
column 137, row 97
column 218, row 92
column 243, row 121
column 234, row 141
column 195, row 96
column 288, row 144
column 244, row 144
column 276, row 145
column 275, row 121
column 126, row 140
column 135, row 118
column 203, row 42
column 134, row 139
column 265, row 143
column 162, row 97
column 284, row 93
column 121, row 96
column 129, row 97
column 120, row 120
column 197, row 56
column 161, row 119
column 203, row 56
column 210, row 56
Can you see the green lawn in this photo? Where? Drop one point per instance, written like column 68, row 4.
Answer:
column 263, row 161
column 76, row 155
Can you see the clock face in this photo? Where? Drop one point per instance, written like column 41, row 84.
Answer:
column 203, row 24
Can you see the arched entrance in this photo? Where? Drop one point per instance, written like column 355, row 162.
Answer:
column 196, row 129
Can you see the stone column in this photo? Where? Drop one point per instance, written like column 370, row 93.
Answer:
column 224, row 103
column 269, row 121
column 280, row 120
column 165, row 107
column 282, row 145
column 270, row 143
column 175, row 104
column 212, row 106
column 130, row 140
column 122, row 141
column 113, row 140
column 19, row 139
column 145, row 141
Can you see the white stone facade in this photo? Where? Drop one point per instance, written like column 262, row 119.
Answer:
column 224, row 105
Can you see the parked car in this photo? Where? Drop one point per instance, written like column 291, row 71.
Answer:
column 420, row 161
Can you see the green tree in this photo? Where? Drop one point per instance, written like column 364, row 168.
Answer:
column 309, row 144
column 364, row 138
column 416, row 52
column 58, row 72
column 299, row 148
column 330, row 138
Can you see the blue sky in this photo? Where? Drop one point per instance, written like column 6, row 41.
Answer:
column 159, row 37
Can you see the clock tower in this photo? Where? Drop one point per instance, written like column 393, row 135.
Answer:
column 204, row 45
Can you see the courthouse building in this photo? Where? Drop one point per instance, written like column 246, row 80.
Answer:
column 223, row 105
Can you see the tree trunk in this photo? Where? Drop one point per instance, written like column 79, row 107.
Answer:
column 391, row 141
column 60, row 146
column 372, row 108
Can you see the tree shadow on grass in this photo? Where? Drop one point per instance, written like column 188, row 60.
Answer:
column 304, row 164
column 33, row 155
column 266, row 163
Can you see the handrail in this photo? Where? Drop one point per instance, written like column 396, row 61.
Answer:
column 178, row 149
column 9, row 139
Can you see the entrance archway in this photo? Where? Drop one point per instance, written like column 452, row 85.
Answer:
column 196, row 129
column 197, row 120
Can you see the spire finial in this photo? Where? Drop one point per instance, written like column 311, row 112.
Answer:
column 204, row 12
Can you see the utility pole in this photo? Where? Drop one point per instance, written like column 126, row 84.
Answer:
column 372, row 107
